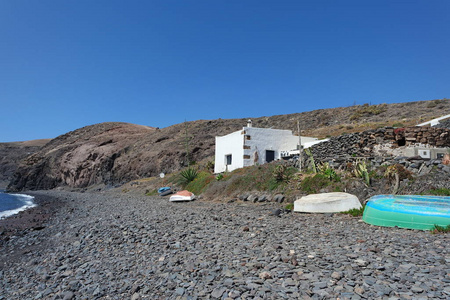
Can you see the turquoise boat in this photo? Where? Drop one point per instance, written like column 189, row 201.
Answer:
column 408, row 211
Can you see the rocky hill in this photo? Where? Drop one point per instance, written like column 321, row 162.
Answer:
column 12, row 153
column 114, row 153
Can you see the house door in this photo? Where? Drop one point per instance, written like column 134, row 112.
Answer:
column 270, row 155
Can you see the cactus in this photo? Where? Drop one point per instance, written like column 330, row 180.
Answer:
column 311, row 158
column 361, row 171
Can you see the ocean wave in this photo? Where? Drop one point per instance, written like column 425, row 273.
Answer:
column 27, row 201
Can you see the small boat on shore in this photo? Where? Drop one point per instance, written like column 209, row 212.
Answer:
column 164, row 191
column 182, row 196
column 408, row 211
column 327, row 203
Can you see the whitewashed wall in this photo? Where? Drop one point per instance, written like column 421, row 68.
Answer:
column 248, row 146
column 258, row 140
column 233, row 144
column 409, row 151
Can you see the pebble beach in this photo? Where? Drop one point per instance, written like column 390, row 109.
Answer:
column 122, row 246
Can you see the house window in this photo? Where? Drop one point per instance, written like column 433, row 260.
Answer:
column 440, row 155
column 270, row 155
column 228, row 159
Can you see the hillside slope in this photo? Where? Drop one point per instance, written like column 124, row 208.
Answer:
column 12, row 153
column 115, row 153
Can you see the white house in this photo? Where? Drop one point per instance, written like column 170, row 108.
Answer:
column 251, row 146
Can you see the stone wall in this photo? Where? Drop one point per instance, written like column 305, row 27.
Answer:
column 362, row 144
column 338, row 151
column 436, row 137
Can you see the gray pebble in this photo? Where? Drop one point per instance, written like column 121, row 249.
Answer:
column 121, row 246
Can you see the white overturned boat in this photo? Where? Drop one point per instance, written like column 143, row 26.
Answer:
column 182, row 196
column 327, row 203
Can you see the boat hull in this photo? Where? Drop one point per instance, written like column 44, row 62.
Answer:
column 408, row 211
column 327, row 203
column 182, row 196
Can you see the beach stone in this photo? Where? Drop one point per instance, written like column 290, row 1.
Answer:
column 279, row 198
column 216, row 250
column 265, row 275
column 277, row 212
column 68, row 295
column 135, row 296
column 180, row 291
column 262, row 198
column 361, row 262
column 416, row 289
column 218, row 292
column 47, row 292
column 320, row 285
column 252, row 198
column 336, row 275
column 243, row 197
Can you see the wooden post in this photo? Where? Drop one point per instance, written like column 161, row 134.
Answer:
column 186, row 141
column 299, row 147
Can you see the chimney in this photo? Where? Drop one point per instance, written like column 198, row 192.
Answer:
column 249, row 123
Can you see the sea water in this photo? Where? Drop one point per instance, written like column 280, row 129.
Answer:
column 11, row 204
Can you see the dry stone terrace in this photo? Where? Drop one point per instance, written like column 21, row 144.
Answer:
column 362, row 144
column 365, row 145
column 121, row 246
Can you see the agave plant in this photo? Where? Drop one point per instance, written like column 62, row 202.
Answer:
column 328, row 171
column 280, row 173
column 187, row 175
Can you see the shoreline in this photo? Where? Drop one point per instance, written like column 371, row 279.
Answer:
column 115, row 245
column 33, row 218
column 27, row 201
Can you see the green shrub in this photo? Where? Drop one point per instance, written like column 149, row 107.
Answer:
column 439, row 192
column 290, row 206
column 402, row 172
column 314, row 184
column 434, row 103
column 260, row 178
column 440, row 229
column 200, row 183
column 187, row 175
column 151, row 193
column 355, row 212
column 281, row 173
column 326, row 170
column 338, row 188
column 368, row 110
column 210, row 165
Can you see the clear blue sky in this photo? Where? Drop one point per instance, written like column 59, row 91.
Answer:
column 67, row 64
